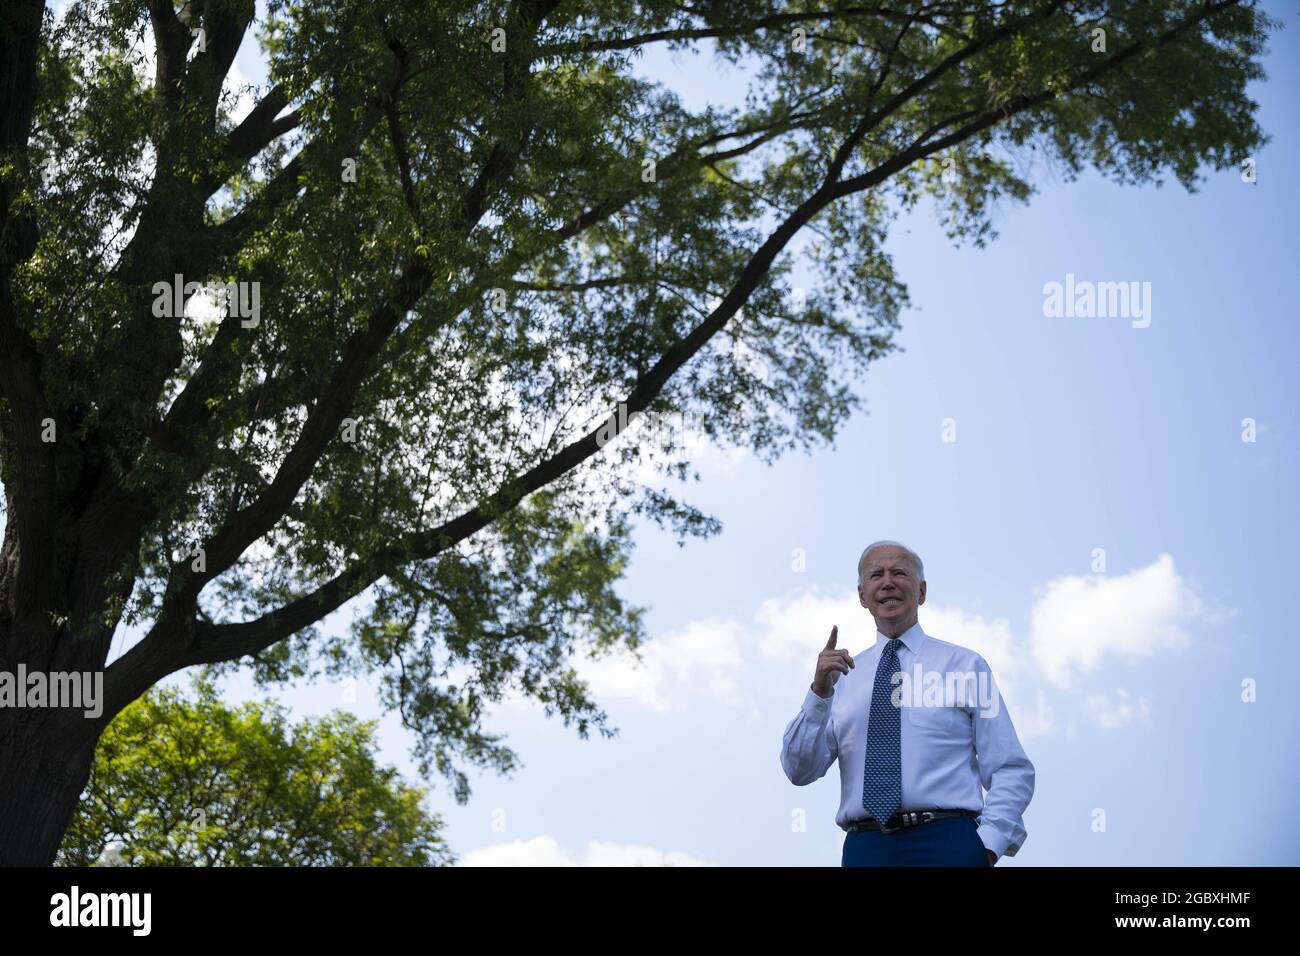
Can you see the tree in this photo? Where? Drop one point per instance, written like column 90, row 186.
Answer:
column 460, row 238
column 196, row 782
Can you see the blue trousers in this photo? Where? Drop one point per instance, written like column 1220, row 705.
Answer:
column 952, row 841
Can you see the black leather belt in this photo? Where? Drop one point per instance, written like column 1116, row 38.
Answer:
column 906, row 819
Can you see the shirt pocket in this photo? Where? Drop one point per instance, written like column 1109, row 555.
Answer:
column 939, row 720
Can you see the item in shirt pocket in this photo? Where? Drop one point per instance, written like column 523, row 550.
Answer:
column 939, row 719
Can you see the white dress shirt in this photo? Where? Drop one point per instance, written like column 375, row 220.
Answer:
column 953, row 742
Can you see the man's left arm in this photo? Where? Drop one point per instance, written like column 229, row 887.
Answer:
column 1005, row 771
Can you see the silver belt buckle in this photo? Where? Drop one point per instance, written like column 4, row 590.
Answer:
column 910, row 818
column 903, row 823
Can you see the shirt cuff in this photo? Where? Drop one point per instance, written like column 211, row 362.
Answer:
column 817, row 708
column 995, row 841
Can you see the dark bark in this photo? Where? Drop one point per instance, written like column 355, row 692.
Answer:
column 44, row 765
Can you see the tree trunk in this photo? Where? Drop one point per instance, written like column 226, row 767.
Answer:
column 44, row 766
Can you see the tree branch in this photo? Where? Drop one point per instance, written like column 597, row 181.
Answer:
column 588, row 45
column 177, row 642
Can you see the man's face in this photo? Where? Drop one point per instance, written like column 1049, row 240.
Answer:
column 889, row 589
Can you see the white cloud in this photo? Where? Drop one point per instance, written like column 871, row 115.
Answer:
column 1077, row 623
column 702, row 658
column 796, row 626
column 1081, row 620
column 992, row 640
column 1032, row 723
column 545, row 851
column 1112, row 715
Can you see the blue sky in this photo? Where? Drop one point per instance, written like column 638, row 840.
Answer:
column 1072, row 434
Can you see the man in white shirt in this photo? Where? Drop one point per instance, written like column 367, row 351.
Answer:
column 919, row 728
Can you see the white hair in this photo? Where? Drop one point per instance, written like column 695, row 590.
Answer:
column 916, row 558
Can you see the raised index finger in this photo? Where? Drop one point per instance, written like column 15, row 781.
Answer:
column 830, row 645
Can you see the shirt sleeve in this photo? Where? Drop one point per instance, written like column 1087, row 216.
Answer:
column 1005, row 771
column 809, row 747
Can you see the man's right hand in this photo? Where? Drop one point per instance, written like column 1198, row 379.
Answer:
column 831, row 663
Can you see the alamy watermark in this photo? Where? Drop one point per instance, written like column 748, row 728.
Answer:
column 665, row 430
column 90, row 908
column 1098, row 300
column 946, row 689
column 241, row 300
column 78, row 690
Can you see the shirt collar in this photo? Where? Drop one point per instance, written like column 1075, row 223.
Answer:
column 911, row 638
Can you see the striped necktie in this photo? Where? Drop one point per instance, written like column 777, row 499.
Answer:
column 882, row 784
